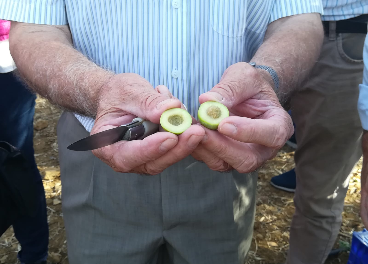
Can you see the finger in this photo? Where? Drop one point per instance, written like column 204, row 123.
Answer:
column 188, row 141
column 162, row 89
column 254, row 108
column 126, row 155
column 151, row 103
column 212, row 161
column 272, row 132
column 239, row 82
column 243, row 157
column 165, row 91
column 133, row 94
column 111, row 121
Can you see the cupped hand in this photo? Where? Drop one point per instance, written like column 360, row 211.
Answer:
column 126, row 96
column 257, row 128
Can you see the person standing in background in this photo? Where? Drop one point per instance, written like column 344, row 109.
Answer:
column 363, row 114
column 328, row 133
column 17, row 107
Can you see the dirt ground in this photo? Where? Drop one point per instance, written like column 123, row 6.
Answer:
column 274, row 208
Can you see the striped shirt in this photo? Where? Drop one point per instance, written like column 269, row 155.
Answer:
column 185, row 45
column 335, row 10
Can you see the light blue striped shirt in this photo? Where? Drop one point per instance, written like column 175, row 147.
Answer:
column 183, row 44
column 335, row 10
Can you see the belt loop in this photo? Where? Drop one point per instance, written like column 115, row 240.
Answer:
column 332, row 30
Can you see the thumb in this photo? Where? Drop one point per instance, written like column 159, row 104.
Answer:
column 165, row 91
column 129, row 93
column 237, row 84
column 153, row 104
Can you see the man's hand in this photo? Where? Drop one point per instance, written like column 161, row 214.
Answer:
column 259, row 127
column 364, row 181
column 126, row 96
column 81, row 86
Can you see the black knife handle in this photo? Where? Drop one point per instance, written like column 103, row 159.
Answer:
column 141, row 131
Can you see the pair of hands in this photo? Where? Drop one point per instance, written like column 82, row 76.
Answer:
column 258, row 128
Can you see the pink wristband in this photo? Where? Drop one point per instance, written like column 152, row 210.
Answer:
column 4, row 29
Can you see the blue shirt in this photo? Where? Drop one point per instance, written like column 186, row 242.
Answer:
column 185, row 45
column 335, row 10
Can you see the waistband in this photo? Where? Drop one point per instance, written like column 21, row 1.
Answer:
column 352, row 25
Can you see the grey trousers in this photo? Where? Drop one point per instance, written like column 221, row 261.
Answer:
column 187, row 214
column 328, row 133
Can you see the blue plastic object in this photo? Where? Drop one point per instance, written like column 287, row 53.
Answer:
column 359, row 248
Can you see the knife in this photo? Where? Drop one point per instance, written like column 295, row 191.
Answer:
column 137, row 129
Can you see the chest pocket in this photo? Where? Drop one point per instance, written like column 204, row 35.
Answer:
column 229, row 17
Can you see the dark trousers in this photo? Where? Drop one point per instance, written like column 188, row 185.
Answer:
column 17, row 106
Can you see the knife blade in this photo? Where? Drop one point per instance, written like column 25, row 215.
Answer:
column 137, row 129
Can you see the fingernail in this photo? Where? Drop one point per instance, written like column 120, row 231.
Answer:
column 164, row 91
column 167, row 145
column 218, row 96
column 163, row 103
column 228, row 129
column 193, row 141
column 205, row 138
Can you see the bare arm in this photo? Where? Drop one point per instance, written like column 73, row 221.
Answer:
column 50, row 65
column 291, row 47
column 48, row 62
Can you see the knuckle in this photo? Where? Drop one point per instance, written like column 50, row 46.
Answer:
column 149, row 100
column 219, row 148
column 146, row 155
column 107, row 158
column 195, row 154
column 120, row 167
column 219, row 165
column 289, row 126
column 152, row 169
column 253, row 74
column 229, row 89
column 118, row 164
column 290, row 130
column 273, row 154
column 140, row 171
column 279, row 138
column 251, row 133
column 248, row 164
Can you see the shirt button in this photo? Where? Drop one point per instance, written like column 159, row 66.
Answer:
column 175, row 74
column 175, row 3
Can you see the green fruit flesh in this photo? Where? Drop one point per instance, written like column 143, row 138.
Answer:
column 176, row 120
column 211, row 113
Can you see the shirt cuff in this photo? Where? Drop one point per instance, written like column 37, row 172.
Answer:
column 363, row 105
column 50, row 12
column 284, row 8
column 6, row 63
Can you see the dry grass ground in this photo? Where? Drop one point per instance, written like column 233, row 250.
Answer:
column 274, row 208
